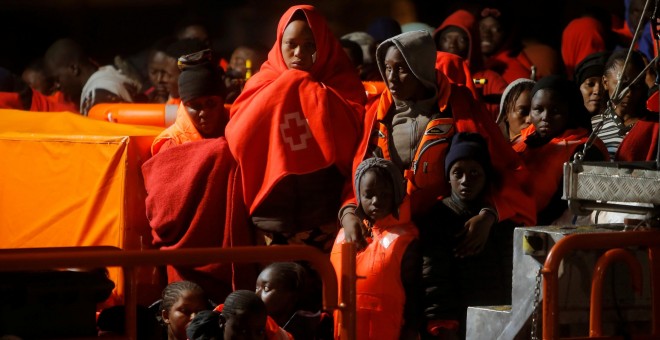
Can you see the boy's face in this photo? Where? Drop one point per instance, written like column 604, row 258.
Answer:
column 164, row 74
column 376, row 195
column 467, row 178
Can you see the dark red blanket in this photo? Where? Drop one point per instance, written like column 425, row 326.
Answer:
column 194, row 200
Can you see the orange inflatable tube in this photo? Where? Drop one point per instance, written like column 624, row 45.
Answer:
column 136, row 114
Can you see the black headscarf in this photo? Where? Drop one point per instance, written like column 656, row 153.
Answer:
column 200, row 80
column 591, row 66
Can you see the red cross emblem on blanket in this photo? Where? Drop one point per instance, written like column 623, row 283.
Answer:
column 295, row 131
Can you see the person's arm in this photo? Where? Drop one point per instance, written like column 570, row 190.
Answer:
column 411, row 277
column 353, row 227
column 476, row 231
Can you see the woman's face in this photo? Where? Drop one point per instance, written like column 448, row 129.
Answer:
column 279, row 300
column 400, row 80
column 491, row 34
column 549, row 114
column 207, row 114
column 629, row 102
column 182, row 312
column 298, row 46
column 592, row 90
column 518, row 117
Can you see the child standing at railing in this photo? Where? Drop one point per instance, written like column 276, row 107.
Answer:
column 388, row 297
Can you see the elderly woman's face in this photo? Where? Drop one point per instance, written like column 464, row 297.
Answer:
column 298, row 46
column 400, row 80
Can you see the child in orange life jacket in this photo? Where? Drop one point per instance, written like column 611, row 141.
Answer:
column 389, row 296
column 463, row 264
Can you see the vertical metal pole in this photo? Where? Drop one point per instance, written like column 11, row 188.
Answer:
column 130, row 302
column 654, row 264
column 347, row 305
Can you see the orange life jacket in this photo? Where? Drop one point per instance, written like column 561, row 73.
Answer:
column 426, row 176
column 380, row 296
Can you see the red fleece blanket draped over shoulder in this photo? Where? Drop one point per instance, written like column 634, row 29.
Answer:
column 193, row 202
column 296, row 122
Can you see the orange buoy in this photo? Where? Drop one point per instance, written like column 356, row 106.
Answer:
column 137, row 114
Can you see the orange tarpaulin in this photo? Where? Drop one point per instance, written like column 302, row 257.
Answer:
column 72, row 181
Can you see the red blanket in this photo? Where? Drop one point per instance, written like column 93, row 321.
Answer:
column 193, row 201
column 547, row 161
column 295, row 122
column 581, row 37
column 641, row 143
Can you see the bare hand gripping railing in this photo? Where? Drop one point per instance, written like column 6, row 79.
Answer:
column 50, row 258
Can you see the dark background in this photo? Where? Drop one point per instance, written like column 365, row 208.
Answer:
column 110, row 27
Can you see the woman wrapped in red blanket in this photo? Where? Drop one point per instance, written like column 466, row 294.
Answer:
column 294, row 131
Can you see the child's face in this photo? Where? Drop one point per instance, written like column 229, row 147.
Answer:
column 273, row 292
column 467, row 178
column 182, row 312
column 246, row 326
column 549, row 114
column 376, row 195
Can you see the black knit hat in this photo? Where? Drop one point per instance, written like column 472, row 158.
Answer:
column 592, row 65
column 468, row 145
column 200, row 80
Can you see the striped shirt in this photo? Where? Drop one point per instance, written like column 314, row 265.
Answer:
column 609, row 133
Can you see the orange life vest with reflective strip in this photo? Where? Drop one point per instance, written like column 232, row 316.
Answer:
column 380, row 296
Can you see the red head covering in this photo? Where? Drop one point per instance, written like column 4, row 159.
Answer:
column 296, row 122
column 456, row 70
column 468, row 23
column 331, row 67
column 11, row 100
column 581, row 37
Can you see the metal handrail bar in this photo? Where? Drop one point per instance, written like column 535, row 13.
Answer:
column 592, row 241
column 129, row 259
column 605, row 260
